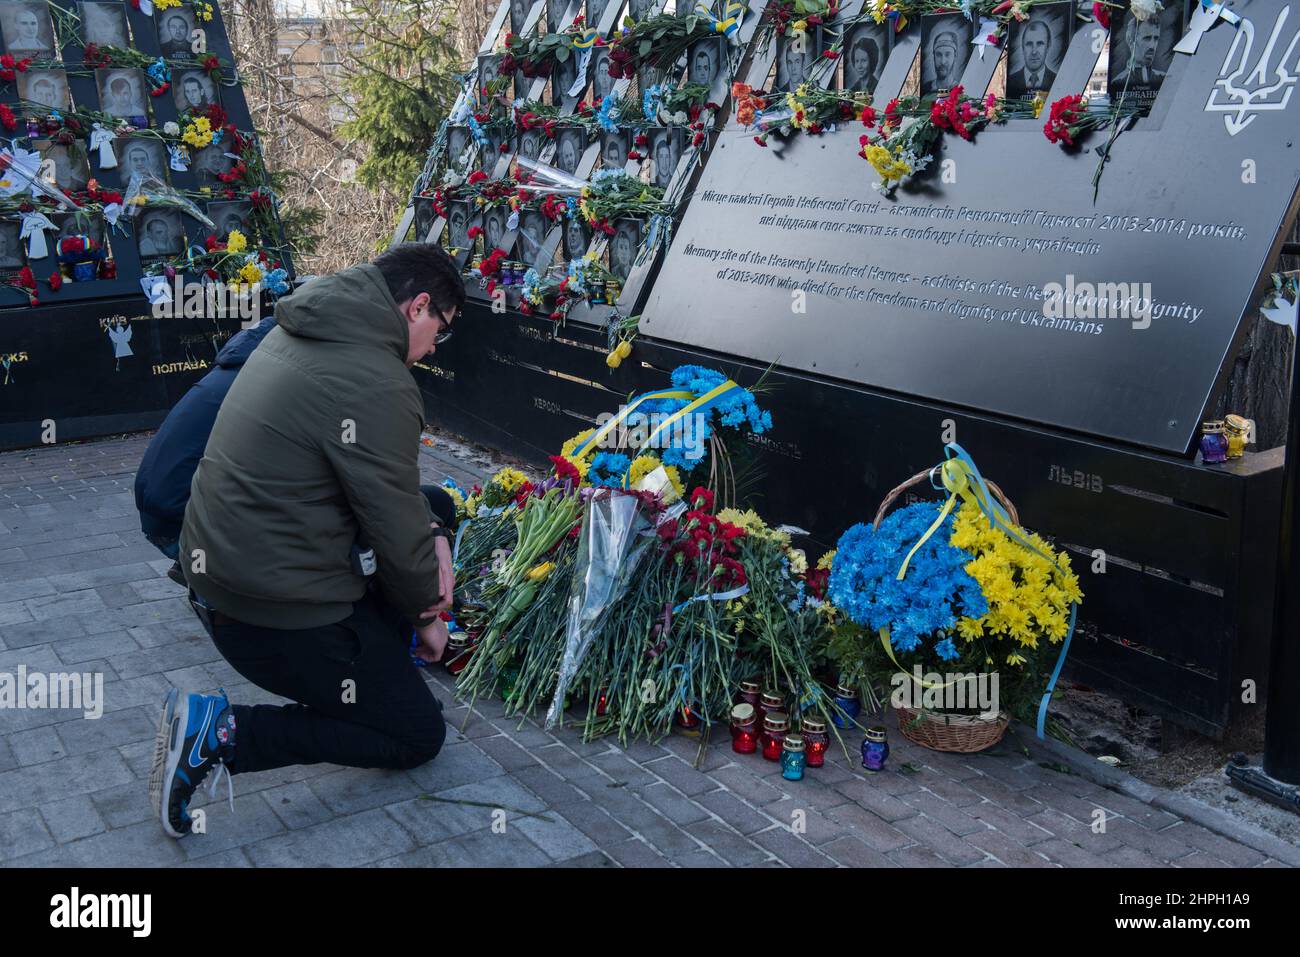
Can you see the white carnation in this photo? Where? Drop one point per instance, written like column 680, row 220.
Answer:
column 1144, row 10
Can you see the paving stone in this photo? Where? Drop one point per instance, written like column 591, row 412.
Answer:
column 1213, row 844
column 506, row 753
column 744, row 783
column 916, row 855
column 933, row 835
column 295, row 804
column 1067, row 854
column 112, row 729
column 557, row 838
column 731, row 846
column 62, row 778
column 72, row 651
column 23, row 832
column 789, row 849
column 72, row 818
column 734, row 811
column 621, row 770
column 955, row 819
column 456, row 764
column 1005, row 848
column 37, row 745
column 701, row 858
column 340, row 842
column 851, row 852
column 594, row 859
column 593, row 821
column 548, row 786
column 636, row 853
column 1013, row 826
column 673, row 805
column 350, row 790
column 863, row 824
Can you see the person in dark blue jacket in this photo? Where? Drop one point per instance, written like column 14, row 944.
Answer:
column 162, row 485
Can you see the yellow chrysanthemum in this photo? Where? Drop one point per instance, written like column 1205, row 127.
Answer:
column 824, row 563
column 885, row 164
column 509, row 479
column 198, row 132
column 250, row 275
column 567, row 452
column 798, row 560
column 754, row 525
column 236, row 242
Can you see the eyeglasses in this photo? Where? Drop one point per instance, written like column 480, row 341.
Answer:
column 447, row 331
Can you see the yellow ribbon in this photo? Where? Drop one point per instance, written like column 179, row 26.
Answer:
column 612, row 424
column 706, row 399
column 955, row 475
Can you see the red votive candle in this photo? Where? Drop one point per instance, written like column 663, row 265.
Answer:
column 744, row 733
column 772, row 739
column 816, row 741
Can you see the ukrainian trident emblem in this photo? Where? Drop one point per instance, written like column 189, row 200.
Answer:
column 1243, row 90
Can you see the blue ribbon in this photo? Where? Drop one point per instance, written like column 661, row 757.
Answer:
column 1000, row 520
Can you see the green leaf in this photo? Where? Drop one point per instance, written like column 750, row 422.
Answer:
column 562, row 54
column 645, row 47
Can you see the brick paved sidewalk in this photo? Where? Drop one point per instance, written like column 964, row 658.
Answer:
column 81, row 590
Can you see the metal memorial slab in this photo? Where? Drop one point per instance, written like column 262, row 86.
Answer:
column 941, row 291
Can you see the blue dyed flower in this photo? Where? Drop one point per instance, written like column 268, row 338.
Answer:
column 608, row 468
column 927, row 602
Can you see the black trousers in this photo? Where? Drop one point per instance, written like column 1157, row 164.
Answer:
column 359, row 701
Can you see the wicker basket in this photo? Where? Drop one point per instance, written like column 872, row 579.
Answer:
column 938, row 730
column 959, row 733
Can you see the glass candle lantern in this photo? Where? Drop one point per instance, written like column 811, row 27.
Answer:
column 770, row 702
column 456, row 657
column 602, row 701
column 749, row 694
column 1214, row 443
column 846, row 703
column 816, row 741
column 687, row 720
column 1236, row 429
column 772, row 740
column 875, row 749
column 793, row 758
column 744, row 729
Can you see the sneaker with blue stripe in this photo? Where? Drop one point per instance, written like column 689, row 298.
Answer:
column 196, row 733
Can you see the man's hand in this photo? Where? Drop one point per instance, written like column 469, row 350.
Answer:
column 433, row 640
column 446, row 579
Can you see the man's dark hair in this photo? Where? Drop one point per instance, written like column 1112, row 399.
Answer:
column 413, row 268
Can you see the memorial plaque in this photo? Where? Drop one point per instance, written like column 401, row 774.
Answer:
column 942, row 291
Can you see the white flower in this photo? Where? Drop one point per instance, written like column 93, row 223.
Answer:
column 1144, row 10
column 171, row 129
column 680, row 118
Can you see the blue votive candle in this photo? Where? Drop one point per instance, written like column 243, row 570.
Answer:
column 875, row 749
column 792, row 758
column 846, row 707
